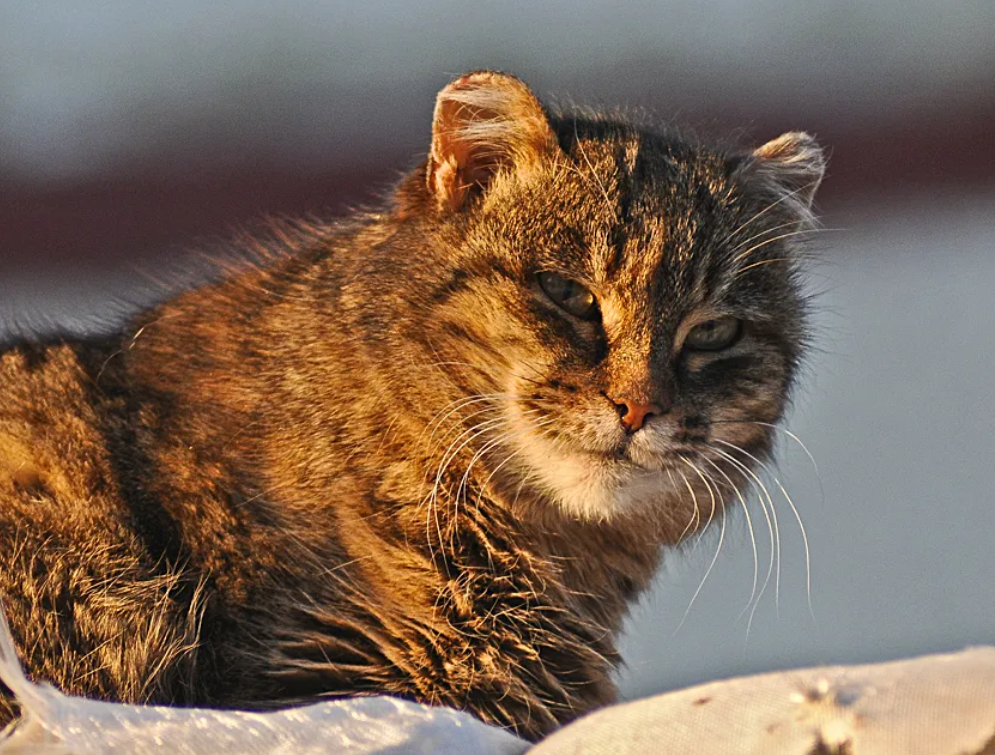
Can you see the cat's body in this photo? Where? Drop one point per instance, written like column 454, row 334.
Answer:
column 433, row 451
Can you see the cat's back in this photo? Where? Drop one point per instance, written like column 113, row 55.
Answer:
column 72, row 570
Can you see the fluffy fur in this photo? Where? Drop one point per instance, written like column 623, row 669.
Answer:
column 385, row 460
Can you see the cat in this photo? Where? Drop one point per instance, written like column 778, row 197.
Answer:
column 431, row 450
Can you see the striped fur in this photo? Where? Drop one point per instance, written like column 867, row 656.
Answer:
column 381, row 459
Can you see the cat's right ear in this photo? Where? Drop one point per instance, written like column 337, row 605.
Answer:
column 790, row 167
column 485, row 122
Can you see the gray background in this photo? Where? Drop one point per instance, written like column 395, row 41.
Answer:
column 131, row 131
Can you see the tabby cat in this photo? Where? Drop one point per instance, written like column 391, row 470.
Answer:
column 432, row 450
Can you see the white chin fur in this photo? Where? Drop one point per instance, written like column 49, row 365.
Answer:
column 596, row 489
column 587, row 486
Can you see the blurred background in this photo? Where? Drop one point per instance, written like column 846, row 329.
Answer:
column 132, row 132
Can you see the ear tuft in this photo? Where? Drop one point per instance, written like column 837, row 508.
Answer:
column 484, row 122
column 792, row 165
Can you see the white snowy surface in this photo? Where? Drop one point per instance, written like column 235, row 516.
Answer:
column 933, row 705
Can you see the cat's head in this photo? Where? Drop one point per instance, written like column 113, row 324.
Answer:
column 615, row 312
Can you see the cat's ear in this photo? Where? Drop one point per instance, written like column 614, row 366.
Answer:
column 484, row 122
column 792, row 166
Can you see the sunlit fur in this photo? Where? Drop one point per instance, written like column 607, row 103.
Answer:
column 382, row 460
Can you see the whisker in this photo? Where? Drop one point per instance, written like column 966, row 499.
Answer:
column 783, row 198
column 464, row 402
column 534, row 426
column 473, row 460
column 447, row 457
column 756, row 559
column 471, row 434
column 794, row 509
column 776, row 532
column 805, row 232
column 754, row 600
column 481, row 398
column 766, row 231
column 695, row 515
column 713, row 501
column 787, row 432
column 708, row 571
column 715, row 557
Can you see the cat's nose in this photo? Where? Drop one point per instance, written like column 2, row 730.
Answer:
column 634, row 414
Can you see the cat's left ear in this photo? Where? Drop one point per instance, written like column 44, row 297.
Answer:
column 485, row 122
column 792, row 166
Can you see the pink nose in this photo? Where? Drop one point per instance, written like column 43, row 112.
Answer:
column 634, row 414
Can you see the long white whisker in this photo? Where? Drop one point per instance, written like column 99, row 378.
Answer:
column 755, row 598
column 447, row 457
column 466, row 417
column 715, row 557
column 708, row 571
column 783, row 198
column 798, row 518
column 461, row 488
column 776, row 531
column 756, row 559
column 695, row 515
column 712, row 500
column 436, row 422
column 787, row 432
column 763, row 233
column 473, row 432
column 513, row 454
column 743, row 255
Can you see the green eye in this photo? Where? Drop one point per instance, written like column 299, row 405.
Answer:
column 714, row 335
column 569, row 296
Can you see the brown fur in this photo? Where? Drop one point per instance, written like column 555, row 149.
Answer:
column 383, row 460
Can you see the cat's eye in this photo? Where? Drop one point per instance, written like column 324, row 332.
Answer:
column 714, row 335
column 569, row 295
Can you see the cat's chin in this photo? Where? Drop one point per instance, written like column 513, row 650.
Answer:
column 624, row 476
column 598, row 487
column 607, row 490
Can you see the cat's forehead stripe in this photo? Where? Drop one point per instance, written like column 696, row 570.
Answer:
column 657, row 232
